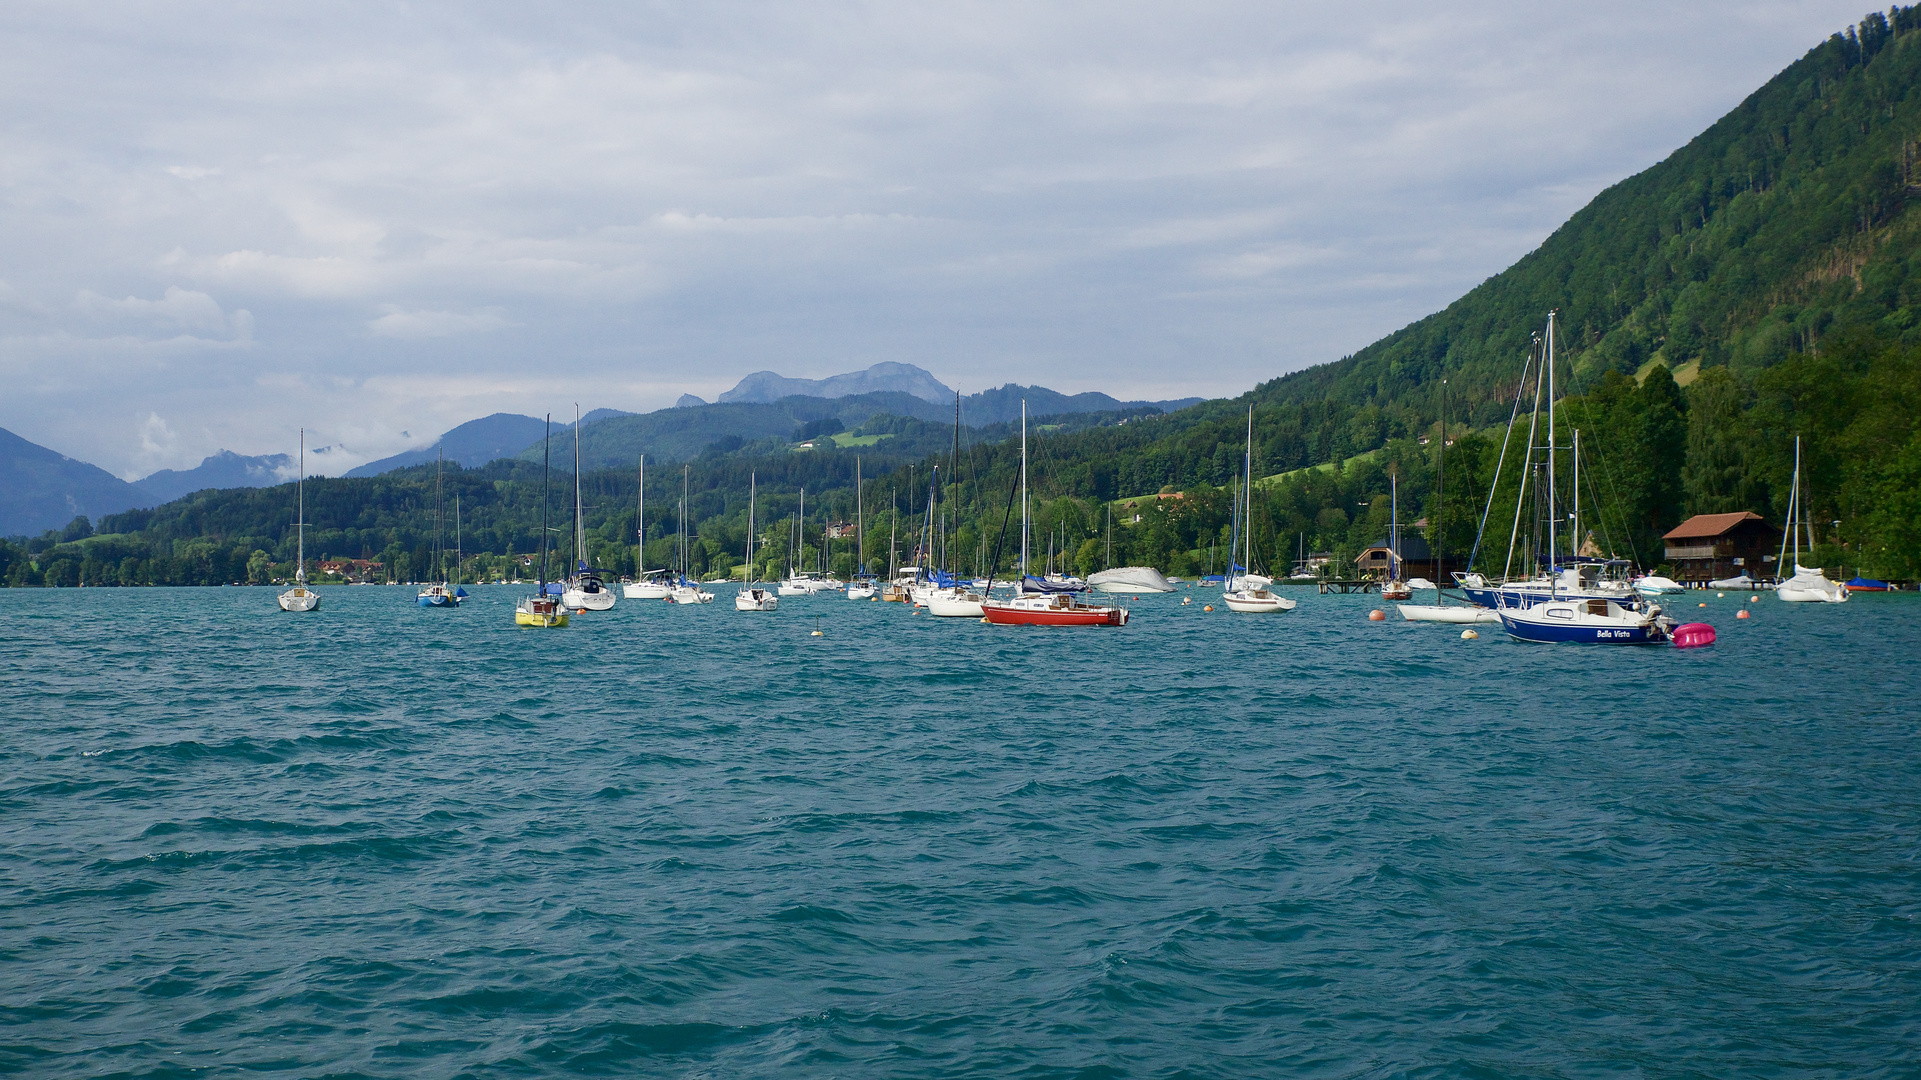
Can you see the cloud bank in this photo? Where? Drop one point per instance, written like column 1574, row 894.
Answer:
column 372, row 218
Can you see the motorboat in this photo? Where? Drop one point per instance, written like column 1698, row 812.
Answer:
column 1657, row 585
column 1808, row 584
column 862, row 589
column 1858, row 583
column 1130, row 579
column 1738, row 582
column 300, row 597
column 754, row 598
column 1587, row 621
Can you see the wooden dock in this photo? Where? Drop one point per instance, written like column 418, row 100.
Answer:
column 1349, row 585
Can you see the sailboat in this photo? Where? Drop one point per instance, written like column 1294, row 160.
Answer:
column 1037, row 608
column 686, row 591
column 438, row 594
column 585, row 591
column 1807, row 585
column 1394, row 588
column 751, row 597
column 1569, row 614
column 1553, row 575
column 1241, row 592
column 647, row 584
column 300, row 597
column 542, row 609
column 862, row 587
column 1440, row 611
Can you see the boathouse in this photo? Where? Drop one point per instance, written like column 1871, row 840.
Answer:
column 1707, row 547
column 1417, row 558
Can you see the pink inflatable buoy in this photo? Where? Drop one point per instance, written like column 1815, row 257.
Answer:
column 1741, row 614
column 1693, row 635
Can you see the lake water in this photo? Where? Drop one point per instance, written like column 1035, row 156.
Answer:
column 381, row 841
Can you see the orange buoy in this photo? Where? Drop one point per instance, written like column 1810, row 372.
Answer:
column 1377, row 615
column 1742, row 614
column 1753, row 599
column 1209, row 607
column 1700, row 605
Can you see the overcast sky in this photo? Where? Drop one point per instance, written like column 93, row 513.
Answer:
column 223, row 222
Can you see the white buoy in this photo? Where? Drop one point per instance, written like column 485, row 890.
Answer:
column 1469, row 635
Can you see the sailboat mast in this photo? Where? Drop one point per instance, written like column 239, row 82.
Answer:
column 746, row 575
column 1440, row 496
column 1553, row 503
column 458, row 559
column 546, row 463
column 640, row 521
column 1247, row 495
column 440, row 518
column 300, row 490
column 686, row 534
column 860, row 524
column 1574, row 542
column 1023, row 576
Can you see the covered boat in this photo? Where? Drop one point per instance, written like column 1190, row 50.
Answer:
column 1130, row 579
column 1861, row 584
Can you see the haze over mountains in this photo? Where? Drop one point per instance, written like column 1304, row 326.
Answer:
column 45, row 490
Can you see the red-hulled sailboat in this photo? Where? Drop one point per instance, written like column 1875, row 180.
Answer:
column 1042, row 608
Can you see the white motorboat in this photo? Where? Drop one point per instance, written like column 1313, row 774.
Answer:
column 689, row 593
column 1808, row 585
column 1130, row 579
column 956, row 603
column 790, row 587
column 863, row 589
column 1656, row 585
column 1419, row 583
column 755, row 599
column 1738, row 582
column 300, row 597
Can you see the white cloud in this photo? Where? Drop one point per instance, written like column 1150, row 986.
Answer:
column 1090, row 197
column 397, row 323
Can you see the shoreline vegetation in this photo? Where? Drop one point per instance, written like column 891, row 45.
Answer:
column 1774, row 262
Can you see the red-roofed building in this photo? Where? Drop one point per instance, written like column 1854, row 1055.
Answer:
column 1710, row 546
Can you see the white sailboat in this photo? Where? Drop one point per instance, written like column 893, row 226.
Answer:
column 584, row 591
column 1809, row 584
column 751, row 596
column 300, row 597
column 1440, row 611
column 1242, row 592
column 439, row 594
column 647, row 584
column 1394, row 588
column 686, row 591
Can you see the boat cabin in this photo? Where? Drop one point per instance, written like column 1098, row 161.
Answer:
column 1707, row 547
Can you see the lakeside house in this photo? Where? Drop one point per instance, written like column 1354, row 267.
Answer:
column 1710, row 546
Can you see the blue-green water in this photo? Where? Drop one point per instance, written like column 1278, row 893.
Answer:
column 380, row 841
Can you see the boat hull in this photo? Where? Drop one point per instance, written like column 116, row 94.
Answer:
column 582, row 600
column 755, row 600
column 950, row 606
column 1572, row 621
column 1258, row 602
column 643, row 590
column 1436, row 613
column 299, row 598
column 437, row 600
column 549, row 620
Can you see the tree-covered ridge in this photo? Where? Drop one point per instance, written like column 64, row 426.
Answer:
column 1785, row 221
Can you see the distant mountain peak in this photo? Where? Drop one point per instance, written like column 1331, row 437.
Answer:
column 887, row 376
